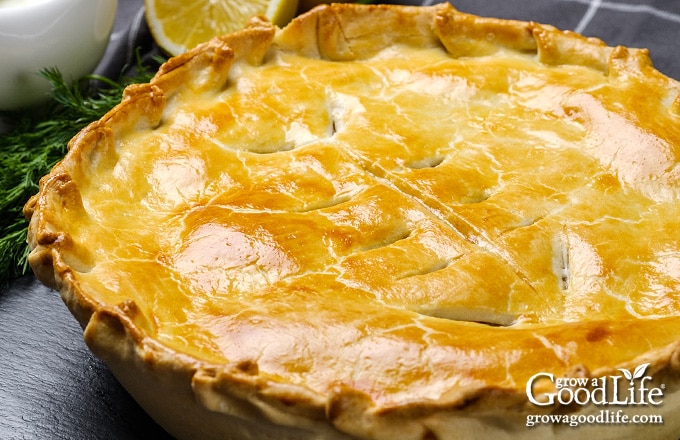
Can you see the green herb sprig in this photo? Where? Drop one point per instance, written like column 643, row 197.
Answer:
column 37, row 140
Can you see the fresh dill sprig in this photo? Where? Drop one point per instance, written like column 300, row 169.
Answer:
column 36, row 141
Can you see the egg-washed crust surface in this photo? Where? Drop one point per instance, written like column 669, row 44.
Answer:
column 379, row 218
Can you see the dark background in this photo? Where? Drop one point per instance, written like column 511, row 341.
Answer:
column 51, row 387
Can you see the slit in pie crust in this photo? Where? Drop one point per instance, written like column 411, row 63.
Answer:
column 377, row 222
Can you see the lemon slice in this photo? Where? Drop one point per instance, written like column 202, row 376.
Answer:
column 179, row 25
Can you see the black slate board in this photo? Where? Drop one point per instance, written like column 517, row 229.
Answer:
column 51, row 386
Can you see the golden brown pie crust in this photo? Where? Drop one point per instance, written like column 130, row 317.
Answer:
column 378, row 222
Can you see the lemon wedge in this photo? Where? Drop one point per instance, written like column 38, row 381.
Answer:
column 180, row 25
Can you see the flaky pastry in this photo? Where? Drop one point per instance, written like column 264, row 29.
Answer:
column 378, row 222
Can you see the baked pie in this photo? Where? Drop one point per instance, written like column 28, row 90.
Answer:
column 380, row 222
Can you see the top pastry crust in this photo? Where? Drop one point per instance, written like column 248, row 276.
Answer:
column 379, row 219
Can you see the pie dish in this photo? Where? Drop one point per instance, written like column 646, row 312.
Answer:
column 379, row 222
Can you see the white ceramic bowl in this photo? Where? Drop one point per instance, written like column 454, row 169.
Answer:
column 34, row 34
